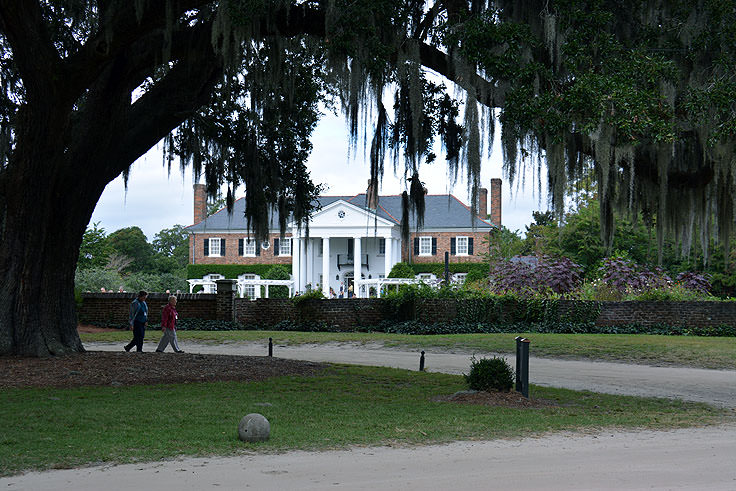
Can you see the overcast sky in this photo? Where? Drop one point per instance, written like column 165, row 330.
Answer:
column 155, row 200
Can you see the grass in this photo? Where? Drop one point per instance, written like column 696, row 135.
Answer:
column 61, row 428
column 692, row 351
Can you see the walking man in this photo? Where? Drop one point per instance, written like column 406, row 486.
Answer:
column 168, row 327
column 138, row 320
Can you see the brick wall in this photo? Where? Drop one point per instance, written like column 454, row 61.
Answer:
column 113, row 308
column 344, row 313
column 107, row 308
column 690, row 314
column 443, row 244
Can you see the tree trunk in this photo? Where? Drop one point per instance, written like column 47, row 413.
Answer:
column 45, row 205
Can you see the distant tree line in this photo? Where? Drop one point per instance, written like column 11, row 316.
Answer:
column 126, row 259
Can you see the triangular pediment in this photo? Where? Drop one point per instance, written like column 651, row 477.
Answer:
column 340, row 213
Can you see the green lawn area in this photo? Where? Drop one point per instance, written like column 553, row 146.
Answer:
column 692, row 351
column 60, row 428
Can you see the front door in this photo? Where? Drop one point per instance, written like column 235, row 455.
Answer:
column 349, row 285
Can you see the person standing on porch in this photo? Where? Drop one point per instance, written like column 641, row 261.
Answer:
column 138, row 320
column 168, row 327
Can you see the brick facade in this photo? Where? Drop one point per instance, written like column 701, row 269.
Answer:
column 444, row 239
column 196, row 250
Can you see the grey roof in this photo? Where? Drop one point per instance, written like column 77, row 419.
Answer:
column 442, row 211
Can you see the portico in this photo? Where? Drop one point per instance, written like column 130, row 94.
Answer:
column 345, row 242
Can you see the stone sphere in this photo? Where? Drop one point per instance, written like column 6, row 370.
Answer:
column 254, row 427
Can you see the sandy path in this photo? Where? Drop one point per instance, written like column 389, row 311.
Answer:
column 683, row 459
column 716, row 387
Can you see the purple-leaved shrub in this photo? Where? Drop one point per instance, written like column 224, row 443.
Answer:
column 558, row 275
column 694, row 281
column 624, row 274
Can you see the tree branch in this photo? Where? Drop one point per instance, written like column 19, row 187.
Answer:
column 183, row 91
column 456, row 70
column 33, row 52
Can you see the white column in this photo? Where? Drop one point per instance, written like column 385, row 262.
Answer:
column 309, row 266
column 326, row 267
column 303, row 260
column 295, row 266
column 388, row 256
column 357, row 263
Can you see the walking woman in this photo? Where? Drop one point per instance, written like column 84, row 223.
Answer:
column 138, row 321
column 168, row 327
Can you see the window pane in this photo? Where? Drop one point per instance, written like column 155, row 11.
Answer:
column 462, row 245
column 425, row 245
column 382, row 246
column 250, row 247
column 214, row 247
column 285, row 247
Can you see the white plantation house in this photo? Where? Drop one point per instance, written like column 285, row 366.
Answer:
column 349, row 238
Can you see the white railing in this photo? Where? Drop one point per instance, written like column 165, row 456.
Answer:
column 210, row 286
column 362, row 287
column 257, row 284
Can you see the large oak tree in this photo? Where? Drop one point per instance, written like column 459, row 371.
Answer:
column 640, row 91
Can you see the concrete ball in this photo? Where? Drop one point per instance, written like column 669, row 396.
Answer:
column 254, row 427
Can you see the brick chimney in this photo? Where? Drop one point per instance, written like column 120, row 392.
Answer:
column 482, row 203
column 371, row 195
column 496, row 202
column 200, row 202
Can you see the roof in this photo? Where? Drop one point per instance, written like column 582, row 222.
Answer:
column 442, row 211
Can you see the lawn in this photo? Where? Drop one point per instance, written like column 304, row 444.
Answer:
column 342, row 406
column 691, row 351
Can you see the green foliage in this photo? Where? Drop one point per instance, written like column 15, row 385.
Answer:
column 131, row 242
column 490, row 374
column 171, row 246
column 277, row 272
column 304, row 298
column 401, row 270
column 559, row 327
column 95, row 249
column 502, row 244
column 91, row 280
column 229, row 271
column 439, row 268
column 153, row 282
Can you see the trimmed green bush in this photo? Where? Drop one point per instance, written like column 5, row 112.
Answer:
column 401, row 270
column 490, row 374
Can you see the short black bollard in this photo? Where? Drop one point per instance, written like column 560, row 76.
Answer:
column 518, row 339
column 270, row 346
column 522, row 366
column 421, row 362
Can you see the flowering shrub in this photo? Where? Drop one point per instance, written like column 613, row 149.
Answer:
column 558, row 276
